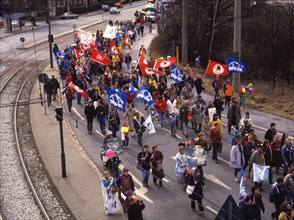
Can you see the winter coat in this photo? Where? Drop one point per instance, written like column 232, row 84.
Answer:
column 161, row 106
column 257, row 158
column 278, row 194
column 267, row 155
column 249, row 147
column 196, row 114
column 276, row 153
column 183, row 114
column 269, row 135
column 90, row 111
column 237, row 113
column 289, row 183
column 215, row 136
column 145, row 164
column 236, row 155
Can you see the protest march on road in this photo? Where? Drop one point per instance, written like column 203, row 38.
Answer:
column 99, row 73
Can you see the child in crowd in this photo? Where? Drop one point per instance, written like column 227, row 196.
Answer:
column 125, row 134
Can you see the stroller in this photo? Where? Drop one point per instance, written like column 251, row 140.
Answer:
column 114, row 144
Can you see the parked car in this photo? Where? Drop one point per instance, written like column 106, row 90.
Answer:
column 105, row 7
column 119, row 5
column 69, row 15
column 114, row 10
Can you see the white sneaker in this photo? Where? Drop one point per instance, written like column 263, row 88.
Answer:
column 236, row 179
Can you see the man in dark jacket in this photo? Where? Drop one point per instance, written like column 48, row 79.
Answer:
column 90, row 113
column 128, row 60
column 49, row 90
column 278, row 196
column 271, row 132
column 144, row 159
column 55, row 86
column 139, row 127
column 135, row 209
column 114, row 121
column 233, row 116
column 257, row 202
column 101, row 113
column 247, row 209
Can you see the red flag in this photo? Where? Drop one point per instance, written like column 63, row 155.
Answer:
column 79, row 53
column 78, row 90
column 114, row 49
column 165, row 63
column 99, row 57
column 127, row 41
column 142, row 59
column 146, row 71
column 215, row 68
column 85, row 47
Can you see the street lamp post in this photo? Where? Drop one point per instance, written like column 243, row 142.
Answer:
column 50, row 36
column 237, row 42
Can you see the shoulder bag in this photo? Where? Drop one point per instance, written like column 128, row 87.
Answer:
column 190, row 188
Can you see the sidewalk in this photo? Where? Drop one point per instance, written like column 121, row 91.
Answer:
column 81, row 190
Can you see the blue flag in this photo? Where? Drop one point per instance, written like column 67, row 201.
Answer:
column 242, row 185
column 235, row 66
column 60, row 54
column 260, row 173
column 145, row 96
column 176, row 74
column 132, row 89
column 117, row 99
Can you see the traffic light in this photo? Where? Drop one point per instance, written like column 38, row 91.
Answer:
column 59, row 114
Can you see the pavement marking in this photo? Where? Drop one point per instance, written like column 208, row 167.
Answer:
column 178, row 136
column 98, row 132
column 212, row 178
column 142, row 190
column 217, row 181
column 78, row 114
column 165, row 180
column 227, row 162
column 211, row 210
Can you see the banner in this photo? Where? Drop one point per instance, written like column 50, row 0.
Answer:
column 78, row 90
column 132, row 89
column 86, row 38
column 152, row 111
column 196, row 156
column 215, row 68
column 146, row 71
column 145, row 96
column 100, row 58
column 127, row 41
column 260, row 173
column 235, row 66
column 176, row 74
column 149, row 124
column 211, row 112
column 164, row 63
column 110, row 32
column 242, row 185
column 117, row 99
column 114, row 49
column 60, row 55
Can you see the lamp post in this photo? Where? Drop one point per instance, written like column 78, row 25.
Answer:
column 237, row 42
column 50, row 36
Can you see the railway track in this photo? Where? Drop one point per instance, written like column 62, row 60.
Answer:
column 25, row 191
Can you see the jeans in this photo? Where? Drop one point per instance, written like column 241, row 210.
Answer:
column 160, row 117
column 113, row 128
column 214, row 151
column 90, row 123
column 140, row 139
column 219, row 113
column 69, row 104
column 290, row 198
column 180, row 177
column 236, row 171
column 101, row 120
column 145, row 175
column 79, row 98
column 126, row 142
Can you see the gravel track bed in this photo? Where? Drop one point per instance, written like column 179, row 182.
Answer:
column 16, row 199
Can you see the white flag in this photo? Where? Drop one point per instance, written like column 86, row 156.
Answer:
column 260, row 173
column 110, row 32
column 149, row 124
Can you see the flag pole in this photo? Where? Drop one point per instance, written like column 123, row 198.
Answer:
column 206, row 69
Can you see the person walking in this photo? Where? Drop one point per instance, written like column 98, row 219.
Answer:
column 271, row 132
column 286, row 211
column 228, row 90
column 217, row 85
column 249, row 147
column 198, row 84
column 278, row 196
column 126, row 188
column 267, row 151
column 144, row 159
column 197, row 117
column 135, row 208
column 161, row 107
column 247, row 208
column 101, row 114
column 289, row 184
column 90, row 114
column 130, row 114
column 55, row 86
column 69, row 95
column 157, row 168
column 237, row 158
column 181, row 164
column 128, row 60
column 218, row 103
column 257, row 157
column 233, row 116
column 125, row 134
column 183, row 116
column 287, row 155
column 139, row 127
column 215, row 140
column 49, row 91
column 173, row 124
column 114, row 121
column 276, row 147
column 257, row 202
column 110, row 197
column 195, row 179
